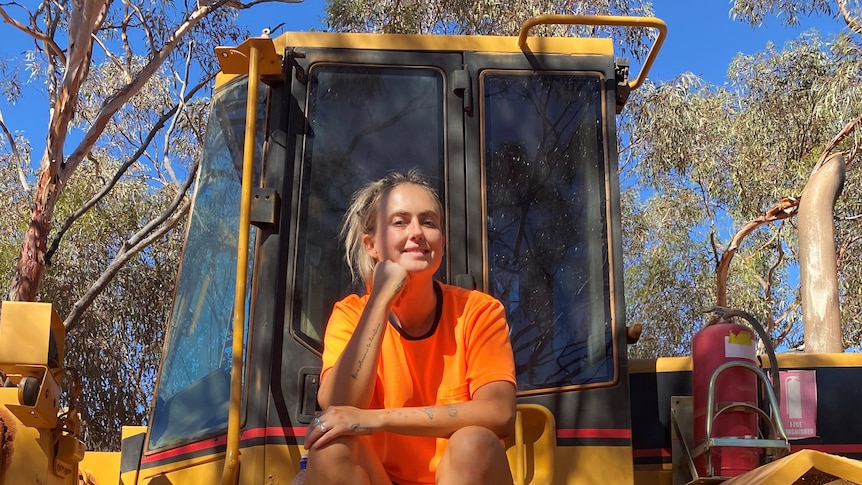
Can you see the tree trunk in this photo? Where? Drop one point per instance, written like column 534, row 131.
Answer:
column 31, row 262
column 818, row 261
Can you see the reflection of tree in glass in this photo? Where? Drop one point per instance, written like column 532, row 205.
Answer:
column 201, row 321
column 543, row 144
column 364, row 123
column 197, row 365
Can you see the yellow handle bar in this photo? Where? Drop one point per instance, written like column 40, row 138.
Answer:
column 608, row 21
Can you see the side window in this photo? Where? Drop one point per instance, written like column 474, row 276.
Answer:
column 363, row 122
column 193, row 391
column 544, row 166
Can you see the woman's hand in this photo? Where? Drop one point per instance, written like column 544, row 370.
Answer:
column 389, row 280
column 334, row 422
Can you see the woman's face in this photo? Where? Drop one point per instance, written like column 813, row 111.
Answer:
column 409, row 230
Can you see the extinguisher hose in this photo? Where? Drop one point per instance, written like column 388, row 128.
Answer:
column 725, row 314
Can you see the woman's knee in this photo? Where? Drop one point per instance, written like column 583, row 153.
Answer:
column 339, row 457
column 346, row 459
column 474, row 439
column 474, row 455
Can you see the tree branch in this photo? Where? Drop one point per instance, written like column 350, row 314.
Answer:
column 35, row 34
column 16, row 155
column 160, row 123
column 121, row 97
column 157, row 228
column 135, row 240
column 851, row 22
column 144, row 26
column 83, row 23
column 784, row 209
column 166, row 160
column 74, row 317
column 114, row 59
column 849, row 128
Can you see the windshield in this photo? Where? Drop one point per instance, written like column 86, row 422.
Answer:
column 194, row 387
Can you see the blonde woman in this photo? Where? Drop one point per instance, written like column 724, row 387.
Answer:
column 418, row 383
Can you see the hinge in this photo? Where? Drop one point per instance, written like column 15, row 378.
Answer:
column 622, row 78
column 462, row 87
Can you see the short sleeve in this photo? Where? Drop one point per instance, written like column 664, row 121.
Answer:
column 342, row 323
column 489, row 351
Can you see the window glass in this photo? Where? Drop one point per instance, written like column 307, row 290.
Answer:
column 194, row 387
column 363, row 122
column 546, row 226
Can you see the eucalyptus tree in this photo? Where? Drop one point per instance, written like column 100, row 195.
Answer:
column 96, row 60
column 93, row 223
column 480, row 17
column 717, row 171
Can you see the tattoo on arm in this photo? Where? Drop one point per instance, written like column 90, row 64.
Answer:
column 358, row 428
column 361, row 361
column 429, row 411
column 451, row 410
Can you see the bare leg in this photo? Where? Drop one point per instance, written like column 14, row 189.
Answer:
column 474, row 456
column 347, row 460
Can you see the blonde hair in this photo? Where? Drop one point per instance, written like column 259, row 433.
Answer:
column 361, row 218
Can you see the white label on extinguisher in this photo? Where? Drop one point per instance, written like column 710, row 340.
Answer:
column 739, row 345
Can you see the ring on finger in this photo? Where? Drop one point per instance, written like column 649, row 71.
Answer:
column 319, row 424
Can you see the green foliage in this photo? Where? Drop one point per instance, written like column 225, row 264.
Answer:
column 755, row 12
column 14, row 204
column 709, row 158
column 115, row 349
column 482, row 17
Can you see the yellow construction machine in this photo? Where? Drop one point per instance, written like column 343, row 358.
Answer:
column 520, row 135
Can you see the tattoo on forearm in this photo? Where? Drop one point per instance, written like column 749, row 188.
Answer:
column 429, row 412
column 451, row 410
column 358, row 428
column 361, row 361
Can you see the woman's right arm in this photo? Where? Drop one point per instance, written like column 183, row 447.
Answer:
column 351, row 380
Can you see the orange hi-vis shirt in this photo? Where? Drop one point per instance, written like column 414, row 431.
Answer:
column 467, row 347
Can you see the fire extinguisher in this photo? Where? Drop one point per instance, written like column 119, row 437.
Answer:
column 720, row 342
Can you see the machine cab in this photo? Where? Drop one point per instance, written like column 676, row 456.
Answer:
column 519, row 135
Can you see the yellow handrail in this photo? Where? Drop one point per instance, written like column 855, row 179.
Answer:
column 603, row 20
column 532, row 445
column 230, row 475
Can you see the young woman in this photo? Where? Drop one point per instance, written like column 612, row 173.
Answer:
column 418, row 381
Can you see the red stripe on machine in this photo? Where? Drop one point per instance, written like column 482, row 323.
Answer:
column 210, row 444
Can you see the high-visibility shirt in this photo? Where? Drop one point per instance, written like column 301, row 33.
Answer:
column 467, row 347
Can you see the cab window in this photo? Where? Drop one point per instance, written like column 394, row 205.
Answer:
column 544, row 166
column 363, row 122
column 193, row 391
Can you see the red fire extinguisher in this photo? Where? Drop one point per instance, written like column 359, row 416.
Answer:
column 713, row 346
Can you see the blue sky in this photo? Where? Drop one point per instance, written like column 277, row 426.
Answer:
column 704, row 39
column 701, row 38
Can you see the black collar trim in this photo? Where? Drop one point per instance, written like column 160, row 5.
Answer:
column 438, row 293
